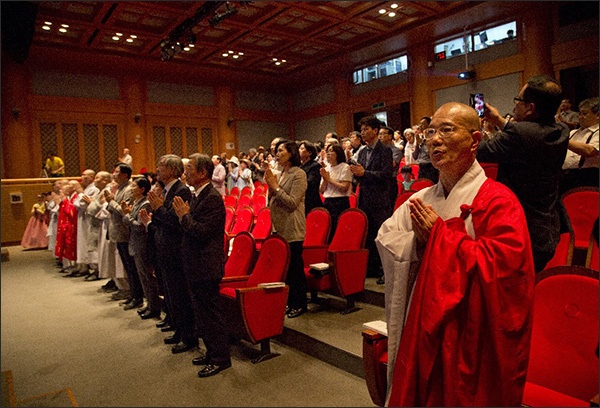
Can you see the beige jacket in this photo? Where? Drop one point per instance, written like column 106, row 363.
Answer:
column 287, row 205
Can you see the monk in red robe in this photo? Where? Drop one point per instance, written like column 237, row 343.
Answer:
column 459, row 279
column 66, row 232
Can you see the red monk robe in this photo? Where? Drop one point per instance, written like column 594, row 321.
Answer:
column 467, row 334
column 66, row 231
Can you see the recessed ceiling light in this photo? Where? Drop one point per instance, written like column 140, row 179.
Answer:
column 274, row 59
column 283, row 61
column 46, row 27
column 186, row 48
column 394, row 6
column 191, row 45
column 48, row 23
column 62, row 30
column 64, row 25
column 392, row 14
column 236, row 56
column 278, row 63
column 115, row 38
column 382, row 11
column 133, row 36
column 225, row 54
column 129, row 40
column 231, row 52
column 119, row 34
column 240, row 53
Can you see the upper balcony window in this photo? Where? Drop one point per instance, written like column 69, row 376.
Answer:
column 381, row 70
column 477, row 40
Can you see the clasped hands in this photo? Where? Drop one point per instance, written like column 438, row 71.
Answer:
column 423, row 218
column 181, row 207
column 357, row 169
column 155, row 200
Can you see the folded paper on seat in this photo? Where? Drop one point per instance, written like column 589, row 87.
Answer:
column 376, row 325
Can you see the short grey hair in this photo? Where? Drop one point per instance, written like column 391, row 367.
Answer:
column 173, row 162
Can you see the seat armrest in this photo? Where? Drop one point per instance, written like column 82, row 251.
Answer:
column 234, row 281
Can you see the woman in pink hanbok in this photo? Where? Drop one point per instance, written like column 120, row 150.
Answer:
column 36, row 233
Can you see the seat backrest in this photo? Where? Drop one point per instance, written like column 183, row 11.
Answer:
column 272, row 263
column 258, row 189
column 235, row 191
column 244, row 201
column 229, row 215
column 420, row 184
column 318, row 225
column 581, row 204
column 490, row 170
column 415, row 170
column 243, row 220
column 351, row 231
column 402, row 197
column 241, row 256
column 353, row 200
column 230, row 200
column 262, row 226
column 563, row 254
column 246, row 191
column 259, row 202
column 565, row 331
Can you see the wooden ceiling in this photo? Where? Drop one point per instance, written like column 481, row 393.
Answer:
column 304, row 34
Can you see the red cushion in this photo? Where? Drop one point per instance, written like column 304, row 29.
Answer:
column 538, row 396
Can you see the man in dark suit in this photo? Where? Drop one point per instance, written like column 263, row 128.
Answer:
column 203, row 224
column 530, row 152
column 167, row 239
column 372, row 173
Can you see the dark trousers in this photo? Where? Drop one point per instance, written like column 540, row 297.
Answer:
column 210, row 320
column 376, row 217
column 133, row 278
column 335, row 206
column 295, row 278
column 177, row 297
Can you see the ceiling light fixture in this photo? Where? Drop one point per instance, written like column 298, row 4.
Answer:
column 389, row 13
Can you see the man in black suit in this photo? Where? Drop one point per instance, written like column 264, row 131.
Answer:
column 372, row 173
column 530, row 152
column 167, row 239
column 203, row 224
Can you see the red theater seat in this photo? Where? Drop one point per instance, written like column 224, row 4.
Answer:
column 254, row 305
column 581, row 204
column 347, row 259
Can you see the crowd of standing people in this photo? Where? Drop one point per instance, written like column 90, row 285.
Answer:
column 159, row 237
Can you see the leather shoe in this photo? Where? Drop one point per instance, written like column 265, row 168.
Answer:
column 125, row 301
column 142, row 310
column 172, row 339
column 212, row 369
column 150, row 314
column 92, row 277
column 133, row 304
column 167, row 328
column 203, row 360
column 296, row 312
column 162, row 323
column 181, row 347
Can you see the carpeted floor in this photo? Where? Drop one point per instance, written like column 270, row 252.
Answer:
column 60, row 333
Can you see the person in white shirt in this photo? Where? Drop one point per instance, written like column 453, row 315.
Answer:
column 409, row 148
column 336, row 184
column 580, row 167
column 219, row 174
column 126, row 158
